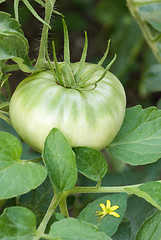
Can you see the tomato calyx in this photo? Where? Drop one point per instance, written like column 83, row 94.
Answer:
column 74, row 77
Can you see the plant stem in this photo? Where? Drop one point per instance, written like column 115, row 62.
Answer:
column 78, row 190
column 54, row 203
column 44, row 37
column 63, row 205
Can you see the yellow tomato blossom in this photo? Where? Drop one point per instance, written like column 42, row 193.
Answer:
column 107, row 210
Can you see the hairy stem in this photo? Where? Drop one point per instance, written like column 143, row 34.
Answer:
column 44, row 37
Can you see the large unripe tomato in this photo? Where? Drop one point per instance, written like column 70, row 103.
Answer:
column 86, row 117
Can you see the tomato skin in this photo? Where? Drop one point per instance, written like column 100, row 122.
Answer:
column 89, row 118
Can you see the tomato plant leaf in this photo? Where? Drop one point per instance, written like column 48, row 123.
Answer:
column 24, row 64
column 108, row 224
column 153, row 189
column 13, row 44
column 152, row 78
column 150, row 191
column 138, row 141
column 151, row 228
column 38, row 200
column 17, row 176
column 75, row 229
column 124, row 232
column 91, row 163
column 147, row 14
column 60, row 161
column 151, row 14
column 17, row 223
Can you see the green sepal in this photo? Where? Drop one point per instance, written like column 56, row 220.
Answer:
column 67, row 75
column 57, row 69
column 66, row 43
column 82, row 60
column 106, row 70
column 87, row 76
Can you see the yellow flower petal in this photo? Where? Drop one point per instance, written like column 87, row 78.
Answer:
column 114, row 214
column 108, row 204
column 113, row 208
column 102, row 206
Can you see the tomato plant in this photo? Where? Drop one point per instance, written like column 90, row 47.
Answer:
column 66, row 126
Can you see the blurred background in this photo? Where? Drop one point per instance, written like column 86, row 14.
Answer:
column 103, row 20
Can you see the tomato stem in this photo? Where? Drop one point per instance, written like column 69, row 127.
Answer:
column 63, row 206
column 54, row 203
column 44, row 37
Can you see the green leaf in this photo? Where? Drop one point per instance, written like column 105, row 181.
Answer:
column 150, row 13
column 152, row 78
column 17, row 176
column 24, row 64
column 153, row 189
column 60, row 161
column 13, row 44
column 38, row 200
column 151, row 228
column 123, row 233
column 150, row 191
column 91, row 163
column 137, row 211
column 17, row 223
column 1, row 1
column 147, row 14
column 75, row 229
column 139, row 140
column 108, row 224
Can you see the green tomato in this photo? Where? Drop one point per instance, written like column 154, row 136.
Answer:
column 87, row 117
